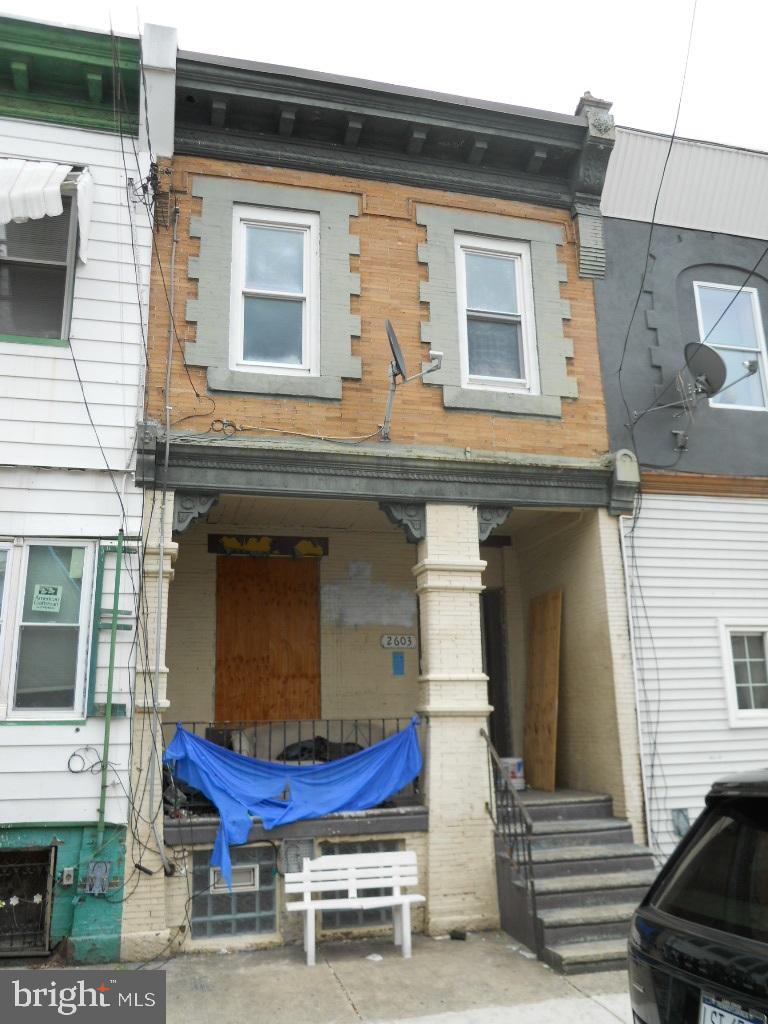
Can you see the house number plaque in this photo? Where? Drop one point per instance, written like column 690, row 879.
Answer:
column 398, row 641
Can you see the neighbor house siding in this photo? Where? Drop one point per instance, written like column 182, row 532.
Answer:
column 43, row 420
column 691, row 562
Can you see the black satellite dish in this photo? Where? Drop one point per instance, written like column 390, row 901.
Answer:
column 706, row 366
column 397, row 355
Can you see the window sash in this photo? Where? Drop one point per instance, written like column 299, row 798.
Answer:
column 528, row 382
column 308, row 225
column 731, row 629
column 758, row 352
column 15, row 622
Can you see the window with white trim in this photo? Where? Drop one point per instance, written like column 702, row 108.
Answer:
column 37, row 264
column 496, row 320
column 46, row 612
column 730, row 320
column 274, row 322
column 748, row 652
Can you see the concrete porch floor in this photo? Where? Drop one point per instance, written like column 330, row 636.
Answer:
column 478, row 981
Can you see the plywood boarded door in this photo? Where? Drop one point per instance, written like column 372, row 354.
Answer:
column 267, row 639
column 543, row 689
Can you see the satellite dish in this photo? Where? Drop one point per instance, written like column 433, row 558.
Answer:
column 706, row 366
column 397, row 355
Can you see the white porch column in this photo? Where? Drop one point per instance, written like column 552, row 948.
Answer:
column 145, row 932
column 461, row 886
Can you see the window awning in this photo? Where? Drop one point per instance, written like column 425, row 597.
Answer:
column 31, row 189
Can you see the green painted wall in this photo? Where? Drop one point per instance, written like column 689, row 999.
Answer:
column 68, row 76
column 91, row 924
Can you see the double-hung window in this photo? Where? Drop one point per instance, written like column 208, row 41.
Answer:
column 496, row 321
column 37, row 261
column 745, row 654
column 730, row 322
column 46, row 603
column 275, row 295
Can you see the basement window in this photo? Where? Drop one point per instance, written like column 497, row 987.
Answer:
column 249, row 908
column 333, row 920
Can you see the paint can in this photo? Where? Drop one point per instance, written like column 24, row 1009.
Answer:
column 514, row 771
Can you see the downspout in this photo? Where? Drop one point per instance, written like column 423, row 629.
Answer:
column 110, row 682
column 167, row 867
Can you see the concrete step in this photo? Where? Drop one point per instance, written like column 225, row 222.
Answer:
column 583, row 957
column 591, row 859
column 580, row 831
column 592, row 890
column 560, row 925
column 581, row 805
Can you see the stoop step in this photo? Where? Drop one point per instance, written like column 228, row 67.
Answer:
column 583, row 957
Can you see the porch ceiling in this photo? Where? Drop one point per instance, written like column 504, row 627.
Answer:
column 310, row 513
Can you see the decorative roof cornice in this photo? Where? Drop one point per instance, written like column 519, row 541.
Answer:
column 261, row 113
column 66, row 75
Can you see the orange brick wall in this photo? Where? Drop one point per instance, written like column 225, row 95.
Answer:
column 389, row 278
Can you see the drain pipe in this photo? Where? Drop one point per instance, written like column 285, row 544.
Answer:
column 110, row 682
column 167, row 866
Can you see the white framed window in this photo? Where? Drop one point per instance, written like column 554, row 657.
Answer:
column 732, row 323
column 745, row 659
column 497, row 331
column 245, row 878
column 46, row 615
column 274, row 314
column 37, row 268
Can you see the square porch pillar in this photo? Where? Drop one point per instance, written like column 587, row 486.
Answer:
column 461, row 885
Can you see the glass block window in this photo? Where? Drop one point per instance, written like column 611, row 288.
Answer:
column 36, row 263
column 749, row 670
column 337, row 919
column 248, row 909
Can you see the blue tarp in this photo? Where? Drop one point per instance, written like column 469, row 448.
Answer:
column 241, row 786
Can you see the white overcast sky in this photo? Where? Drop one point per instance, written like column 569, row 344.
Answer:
column 537, row 53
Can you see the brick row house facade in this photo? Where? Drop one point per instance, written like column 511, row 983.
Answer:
column 355, row 455
column 407, row 547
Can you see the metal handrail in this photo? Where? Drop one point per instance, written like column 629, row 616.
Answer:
column 514, row 825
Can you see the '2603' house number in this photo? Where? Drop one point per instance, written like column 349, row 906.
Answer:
column 400, row 641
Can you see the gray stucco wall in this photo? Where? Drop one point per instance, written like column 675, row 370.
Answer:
column 726, row 441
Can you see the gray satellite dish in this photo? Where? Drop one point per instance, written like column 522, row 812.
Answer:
column 397, row 355
column 706, row 366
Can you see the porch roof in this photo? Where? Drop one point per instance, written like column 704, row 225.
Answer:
column 205, row 465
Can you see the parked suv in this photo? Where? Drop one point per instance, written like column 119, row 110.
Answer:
column 699, row 941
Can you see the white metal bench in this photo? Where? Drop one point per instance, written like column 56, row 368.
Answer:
column 353, row 874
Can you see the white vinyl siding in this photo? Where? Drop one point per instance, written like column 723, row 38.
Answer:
column 43, row 421
column 694, row 565
column 45, row 434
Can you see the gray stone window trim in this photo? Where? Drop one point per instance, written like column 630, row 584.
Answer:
column 213, row 271
column 441, row 331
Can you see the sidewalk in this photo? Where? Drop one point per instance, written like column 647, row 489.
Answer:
column 485, row 980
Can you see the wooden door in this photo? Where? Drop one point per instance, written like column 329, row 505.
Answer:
column 495, row 667
column 543, row 689
column 267, row 639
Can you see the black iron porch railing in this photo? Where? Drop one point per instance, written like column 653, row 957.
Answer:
column 513, row 825
column 307, row 741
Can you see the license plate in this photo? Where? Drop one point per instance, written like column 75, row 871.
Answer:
column 720, row 1011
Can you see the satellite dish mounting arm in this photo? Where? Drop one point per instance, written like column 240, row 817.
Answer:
column 397, row 369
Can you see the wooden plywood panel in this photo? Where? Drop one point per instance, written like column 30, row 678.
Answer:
column 543, row 689
column 267, row 639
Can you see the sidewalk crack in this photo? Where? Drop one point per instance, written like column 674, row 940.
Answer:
column 344, row 989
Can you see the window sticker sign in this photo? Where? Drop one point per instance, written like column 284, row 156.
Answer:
column 46, row 598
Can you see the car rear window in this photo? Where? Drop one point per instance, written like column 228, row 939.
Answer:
column 722, row 878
